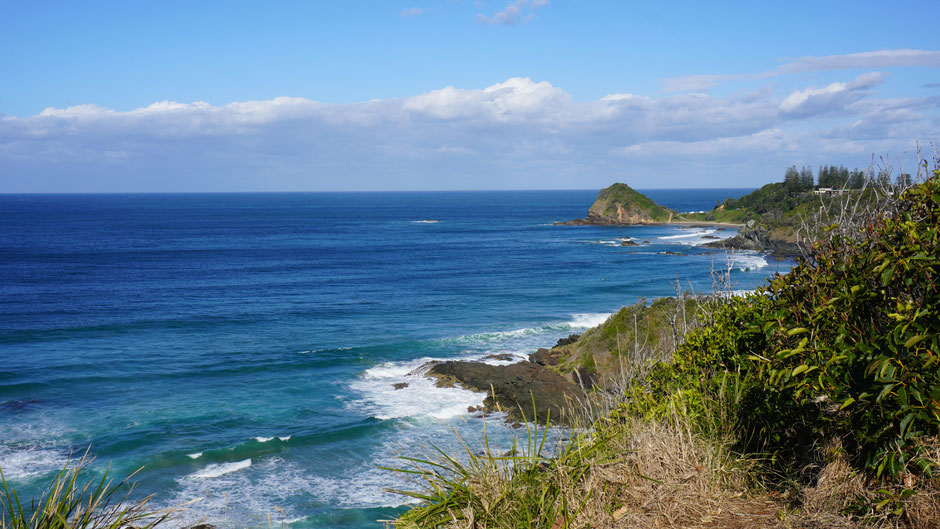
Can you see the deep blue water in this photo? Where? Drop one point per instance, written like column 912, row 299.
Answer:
column 242, row 347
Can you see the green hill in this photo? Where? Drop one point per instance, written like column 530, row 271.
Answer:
column 620, row 204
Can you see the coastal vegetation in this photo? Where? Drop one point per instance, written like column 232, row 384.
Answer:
column 75, row 500
column 813, row 402
column 782, row 217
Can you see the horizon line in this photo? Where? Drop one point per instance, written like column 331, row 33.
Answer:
column 21, row 193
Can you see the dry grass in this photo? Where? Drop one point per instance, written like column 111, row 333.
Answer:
column 669, row 477
column 655, row 474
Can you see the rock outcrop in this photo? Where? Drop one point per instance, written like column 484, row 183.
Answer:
column 754, row 237
column 620, row 205
column 512, row 388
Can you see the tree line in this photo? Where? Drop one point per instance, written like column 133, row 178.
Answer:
column 839, row 177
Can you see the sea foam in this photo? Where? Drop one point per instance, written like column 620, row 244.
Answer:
column 695, row 237
column 421, row 397
column 26, row 463
column 258, row 495
column 221, row 469
column 418, row 396
column 588, row 320
column 747, row 260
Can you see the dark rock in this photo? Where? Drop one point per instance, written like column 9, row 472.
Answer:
column 628, row 242
column 400, row 385
column 546, row 357
column 672, row 253
column 474, row 409
column 512, row 388
column 711, row 237
column 203, row 526
column 515, row 425
column 504, row 357
column 757, row 239
column 572, row 338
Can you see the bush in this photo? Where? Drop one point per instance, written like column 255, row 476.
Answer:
column 847, row 344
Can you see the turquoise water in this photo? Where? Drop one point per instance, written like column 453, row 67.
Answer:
column 243, row 347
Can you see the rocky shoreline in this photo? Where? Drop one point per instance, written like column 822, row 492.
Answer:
column 750, row 237
column 545, row 386
column 525, row 391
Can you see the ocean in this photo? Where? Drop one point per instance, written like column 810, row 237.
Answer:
column 242, row 348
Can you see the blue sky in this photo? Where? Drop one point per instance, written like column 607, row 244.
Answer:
column 498, row 94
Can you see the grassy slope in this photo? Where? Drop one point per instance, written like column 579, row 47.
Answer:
column 631, row 332
column 777, row 210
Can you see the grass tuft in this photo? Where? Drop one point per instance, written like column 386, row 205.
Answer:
column 68, row 503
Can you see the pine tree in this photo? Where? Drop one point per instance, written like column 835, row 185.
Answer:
column 806, row 178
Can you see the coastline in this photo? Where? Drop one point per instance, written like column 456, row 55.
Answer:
column 690, row 223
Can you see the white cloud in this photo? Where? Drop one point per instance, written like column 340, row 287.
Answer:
column 833, row 98
column 864, row 60
column 513, row 13
column 515, row 133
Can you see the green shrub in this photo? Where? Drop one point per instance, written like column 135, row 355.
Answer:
column 844, row 345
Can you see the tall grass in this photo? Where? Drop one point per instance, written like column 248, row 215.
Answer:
column 616, row 470
column 69, row 503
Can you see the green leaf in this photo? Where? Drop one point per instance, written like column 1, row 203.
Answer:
column 799, row 369
column 905, row 423
column 914, row 340
column 848, row 402
column 887, row 389
column 797, row 330
column 887, row 275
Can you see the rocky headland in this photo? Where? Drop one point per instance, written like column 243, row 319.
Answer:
column 753, row 236
column 621, row 205
column 514, row 388
column 760, row 229
column 555, row 378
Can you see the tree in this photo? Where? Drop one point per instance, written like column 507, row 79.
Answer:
column 824, row 179
column 841, row 179
column 791, row 179
column 806, row 178
column 856, row 179
column 884, row 178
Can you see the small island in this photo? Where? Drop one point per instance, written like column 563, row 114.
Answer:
column 621, row 205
